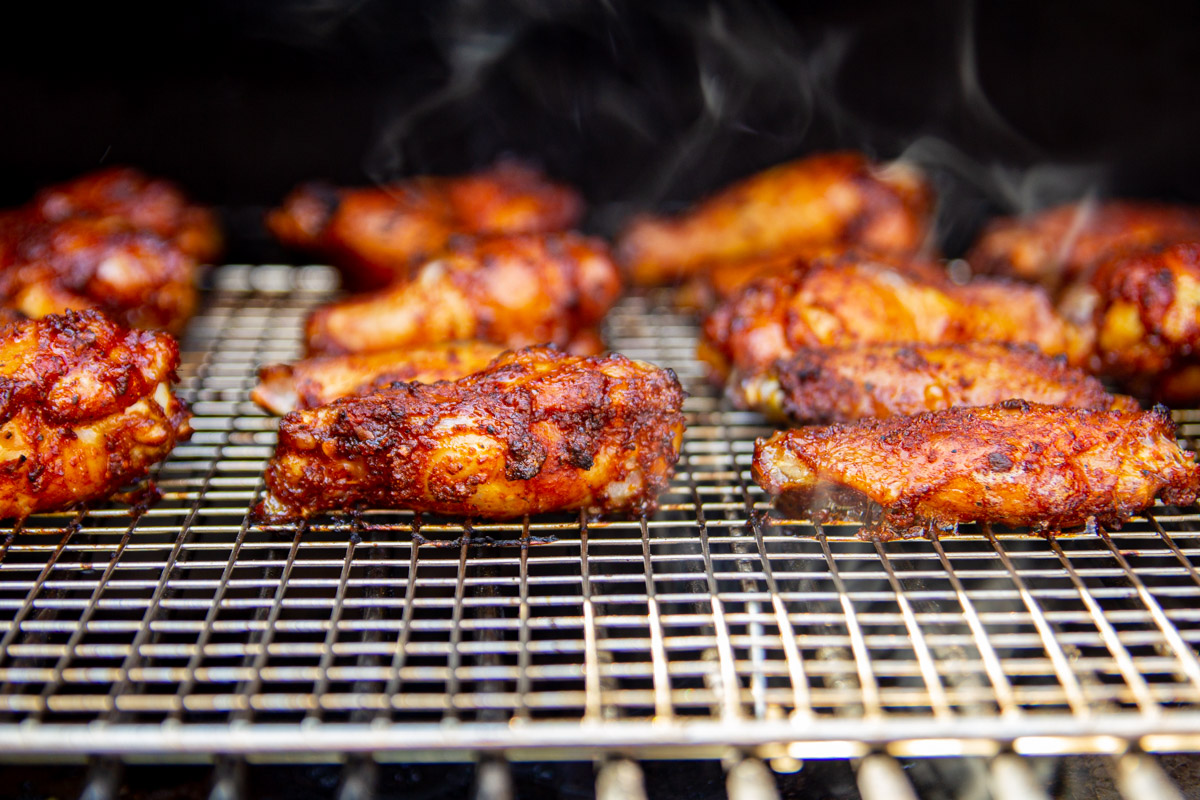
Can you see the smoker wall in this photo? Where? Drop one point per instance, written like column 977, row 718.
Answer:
column 1013, row 105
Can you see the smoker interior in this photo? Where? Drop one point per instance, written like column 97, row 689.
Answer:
column 181, row 629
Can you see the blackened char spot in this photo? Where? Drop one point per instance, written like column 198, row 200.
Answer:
column 525, row 457
column 999, row 462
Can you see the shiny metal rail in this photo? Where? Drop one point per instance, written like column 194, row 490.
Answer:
column 186, row 630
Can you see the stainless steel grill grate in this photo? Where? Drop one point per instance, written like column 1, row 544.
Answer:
column 185, row 629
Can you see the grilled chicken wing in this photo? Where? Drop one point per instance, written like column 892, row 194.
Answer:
column 838, row 198
column 380, row 234
column 98, row 262
column 844, row 384
column 537, row 431
column 147, row 204
column 515, row 290
column 1014, row 463
column 316, row 381
column 868, row 303
column 1058, row 246
column 85, row 407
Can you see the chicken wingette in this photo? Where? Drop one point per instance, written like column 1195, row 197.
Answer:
column 513, row 290
column 1057, row 246
column 85, row 408
column 537, row 431
column 1015, row 463
column 379, row 235
column 837, row 198
column 316, row 381
column 845, row 384
column 868, row 303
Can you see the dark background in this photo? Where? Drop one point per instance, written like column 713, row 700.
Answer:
column 1011, row 105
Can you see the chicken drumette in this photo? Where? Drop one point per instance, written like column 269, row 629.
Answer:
column 85, row 407
column 820, row 201
column 513, row 290
column 537, row 431
column 380, row 234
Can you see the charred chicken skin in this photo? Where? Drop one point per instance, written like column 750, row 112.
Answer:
column 1014, row 463
column 85, row 408
column 838, row 198
column 146, row 204
column 381, row 234
column 1060, row 245
column 537, row 431
column 845, row 384
column 316, row 381
column 866, row 303
column 515, row 291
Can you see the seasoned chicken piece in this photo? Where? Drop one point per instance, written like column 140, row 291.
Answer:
column 1145, row 307
column 144, row 203
column 316, row 381
column 85, row 408
column 725, row 280
column 867, row 303
column 537, row 431
column 98, row 262
column 837, row 198
column 380, row 234
column 515, row 291
column 844, row 384
column 1014, row 463
column 1058, row 246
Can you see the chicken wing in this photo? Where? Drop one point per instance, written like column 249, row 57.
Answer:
column 838, row 198
column 379, row 235
column 1058, row 246
column 313, row 382
column 515, row 291
column 147, row 204
column 85, row 407
column 1014, row 463
column 98, row 262
column 537, row 431
column 867, row 303
column 844, row 384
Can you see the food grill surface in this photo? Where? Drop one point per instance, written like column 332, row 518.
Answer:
column 716, row 622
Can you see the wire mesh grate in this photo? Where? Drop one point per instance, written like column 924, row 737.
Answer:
column 185, row 627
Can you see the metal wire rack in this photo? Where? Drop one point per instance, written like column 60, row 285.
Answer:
column 183, row 629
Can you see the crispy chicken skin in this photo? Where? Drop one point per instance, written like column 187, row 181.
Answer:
column 380, row 234
column 1059, row 245
column 513, row 290
column 1014, row 463
column 537, row 431
column 1145, row 307
column 85, row 407
column 313, row 382
column 868, row 303
column 820, row 200
column 845, row 384
column 144, row 203
column 98, row 262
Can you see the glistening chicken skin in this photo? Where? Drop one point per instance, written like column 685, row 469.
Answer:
column 537, row 431
column 513, row 290
column 1014, row 463
column 85, row 407
column 836, row 198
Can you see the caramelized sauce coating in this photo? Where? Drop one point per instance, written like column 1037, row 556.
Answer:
column 824, row 200
column 1014, row 463
column 537, row 431
column 514, row 290
column 860, row 302
column 844, row 384
column 380, row 234
column 85, row 407
column 1058, row 246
